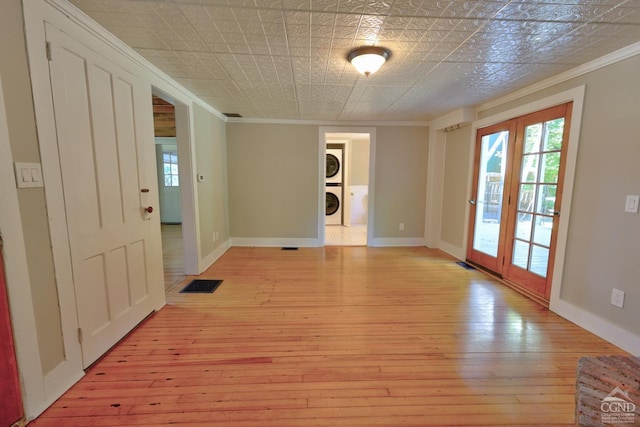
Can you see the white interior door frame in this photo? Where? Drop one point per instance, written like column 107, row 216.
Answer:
column 188, row 196
column 70, row 370
column 346, row 183
column 186, row 169
column 575, row 95
column 322, row 145
column 23, row 320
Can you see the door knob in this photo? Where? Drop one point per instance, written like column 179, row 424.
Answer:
column 147, row 213
column 472, row 201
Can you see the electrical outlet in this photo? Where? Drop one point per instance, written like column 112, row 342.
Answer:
column 631, row 205
column 617, row 297
column 213, row 236
column 401, row 226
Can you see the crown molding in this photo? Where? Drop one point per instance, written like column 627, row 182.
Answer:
column 603, row 61
column 87, row 23
column 258, row 120
column 457, row 117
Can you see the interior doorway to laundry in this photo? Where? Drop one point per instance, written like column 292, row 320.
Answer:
column 346, row 180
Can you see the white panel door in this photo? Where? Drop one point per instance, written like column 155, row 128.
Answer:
column 98, row 108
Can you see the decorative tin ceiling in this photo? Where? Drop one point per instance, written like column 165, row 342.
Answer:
column 286, row 59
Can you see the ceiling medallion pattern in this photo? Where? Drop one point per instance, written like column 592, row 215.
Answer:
column 287, row 59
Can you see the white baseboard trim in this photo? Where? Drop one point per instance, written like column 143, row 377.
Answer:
column 597, row 325
column 277, row 242
column 214, row 256
column 397, row 241
column 452, row 250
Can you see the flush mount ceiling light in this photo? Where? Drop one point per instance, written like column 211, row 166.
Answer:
column 368, row 59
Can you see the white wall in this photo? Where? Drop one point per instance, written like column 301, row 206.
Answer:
column 274, row 184
column 358, row 189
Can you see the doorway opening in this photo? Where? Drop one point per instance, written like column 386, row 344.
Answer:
column 347, row 187
column 173, row 167
column 168, row 165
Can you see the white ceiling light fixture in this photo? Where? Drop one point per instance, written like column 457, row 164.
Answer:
column 368, row 59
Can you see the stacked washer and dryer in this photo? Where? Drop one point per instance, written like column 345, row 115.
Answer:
column 334, row 181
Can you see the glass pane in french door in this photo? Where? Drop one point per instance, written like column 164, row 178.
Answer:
column 540, row 165
column 491, row 176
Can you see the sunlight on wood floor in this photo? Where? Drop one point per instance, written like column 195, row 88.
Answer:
column 349, row 336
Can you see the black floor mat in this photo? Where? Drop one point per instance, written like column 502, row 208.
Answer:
column 199, row 286
column 465, row 265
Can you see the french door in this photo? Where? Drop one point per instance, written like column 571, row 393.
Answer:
column 516, row 198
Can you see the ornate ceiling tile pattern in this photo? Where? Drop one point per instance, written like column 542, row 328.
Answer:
column 286, row 59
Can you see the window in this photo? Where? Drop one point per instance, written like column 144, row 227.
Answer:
column 170, row 169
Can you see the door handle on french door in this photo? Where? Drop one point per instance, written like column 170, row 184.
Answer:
column 472, row 201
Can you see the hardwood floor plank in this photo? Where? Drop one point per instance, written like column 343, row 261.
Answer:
column 172, row 254
column 274, row 394
column 387, row 415
column 338, row 337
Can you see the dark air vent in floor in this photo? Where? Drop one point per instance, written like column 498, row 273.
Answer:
column 465, row 265
column 201, row 286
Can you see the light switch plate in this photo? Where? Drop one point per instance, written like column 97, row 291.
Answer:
column 28, row 175
column 631, row 205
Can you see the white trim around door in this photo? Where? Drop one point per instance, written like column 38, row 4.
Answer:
column 34, row 398
column 601, row 327
column 576, row 96
column 323, row 131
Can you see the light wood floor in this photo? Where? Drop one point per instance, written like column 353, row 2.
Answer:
column 341, row 336
column 172, row 254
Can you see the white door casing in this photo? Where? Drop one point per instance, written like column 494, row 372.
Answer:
column 17, row 277
column 105, row 160
column 322, row 146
